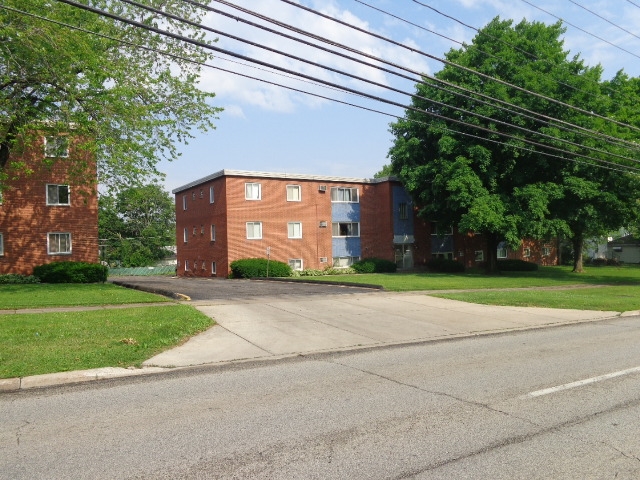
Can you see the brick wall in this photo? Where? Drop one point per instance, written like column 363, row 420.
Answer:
column 26, row 219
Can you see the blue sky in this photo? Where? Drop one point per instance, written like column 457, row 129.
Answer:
column 269, row 128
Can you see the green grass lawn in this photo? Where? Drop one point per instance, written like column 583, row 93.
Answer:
column 32, row 344
column 43, row 295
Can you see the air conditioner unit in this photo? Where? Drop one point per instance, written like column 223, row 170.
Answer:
column 323, row 259
column 323, row 224
column 322, row 188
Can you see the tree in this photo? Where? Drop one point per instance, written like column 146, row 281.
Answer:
column 112, row 87
column 136, row 225
column 469, row 164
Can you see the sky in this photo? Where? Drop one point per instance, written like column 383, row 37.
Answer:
column 269, row 128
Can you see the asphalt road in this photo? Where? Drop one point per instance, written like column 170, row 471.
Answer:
column 560, row 403
column 199, row 289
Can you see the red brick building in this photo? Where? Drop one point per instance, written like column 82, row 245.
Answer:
column 309, row 222
column 44, row 217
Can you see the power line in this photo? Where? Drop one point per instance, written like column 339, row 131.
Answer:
column 606, row 20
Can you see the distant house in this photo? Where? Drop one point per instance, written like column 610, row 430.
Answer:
column 314, row 222
column 44, row 216
column 625, row 249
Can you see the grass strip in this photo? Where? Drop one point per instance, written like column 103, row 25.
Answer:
column 616, row 299
column 45, row 295
column 33, row 344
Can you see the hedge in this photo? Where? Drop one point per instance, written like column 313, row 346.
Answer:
column 257, row 267
column 374, row 265
column 445, row 265
column 15, row 279
column 71, row 272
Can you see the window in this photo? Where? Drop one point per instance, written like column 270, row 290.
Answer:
column 437, row 229
column 186, row 265
column 213, row 268
column 1, row 245
column 343, row 194
column 295, row 229
column 403, row 211
column 58, row 243
column 184, row 202
column 195, row 231
column 295, row 264
column 293, row 193
column 502, row 252
column 526, row 252
column 56, row 146
column 546, row 251
column 479, row 255
column 345, row 229
column 57, row 194
column 211, row 195
column 252, row 191
column 344, row 262
column 186, row 235
column 254, row 230
column 213, row 233
column 193, row 195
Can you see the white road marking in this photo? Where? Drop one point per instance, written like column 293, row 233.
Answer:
column 580, row 383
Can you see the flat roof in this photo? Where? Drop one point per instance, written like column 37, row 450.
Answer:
column 283, row 176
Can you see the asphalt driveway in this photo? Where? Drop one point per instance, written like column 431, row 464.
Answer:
column 203, row 289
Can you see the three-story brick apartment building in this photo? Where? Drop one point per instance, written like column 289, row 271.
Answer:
column 44, row 217
column 307, row 221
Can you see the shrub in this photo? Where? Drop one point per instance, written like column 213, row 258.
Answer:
column 257, row 267
column 71, row 272
column 445, row 265
column 15, row 279
column 513, row 265
column 374, row 265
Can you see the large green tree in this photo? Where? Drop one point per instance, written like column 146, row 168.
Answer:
column 106, row 83
column 480, row 165
column 136, row 225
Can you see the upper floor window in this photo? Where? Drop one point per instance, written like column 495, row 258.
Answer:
column 213, row 233
column 1, row 245
column 403, row 211
column 211, row 196
column 295, row 229
column 437, row 229
column 56, row 146
column 186, row 235
column 57, row 194
column 343, row 194
column 254, row 230
column 184, row 202
column 58, row 243
column 252, row 191
column 345, row 229
column 293, row 193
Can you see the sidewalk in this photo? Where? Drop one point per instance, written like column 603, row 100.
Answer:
column 267, row 329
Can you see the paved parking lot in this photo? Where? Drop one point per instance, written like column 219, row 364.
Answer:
column 206, row 289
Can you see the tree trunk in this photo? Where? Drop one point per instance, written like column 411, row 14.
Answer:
column 578, row 243
column 492, row 254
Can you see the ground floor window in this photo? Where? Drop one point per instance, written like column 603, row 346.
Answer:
column 295, row 264
column 1, row 245
column 479, row 254
column 344, row 262
column 213, row 268
column 445, row 255
column 546, row 251
column 58, row 243
column 502, row 252
column 526, row 253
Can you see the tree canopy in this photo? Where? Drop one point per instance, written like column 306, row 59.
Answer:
column 130, row 93
column 504, row 154
column 136, row 226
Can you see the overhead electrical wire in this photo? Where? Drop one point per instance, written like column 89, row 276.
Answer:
column 605, row 19
column 363, row 94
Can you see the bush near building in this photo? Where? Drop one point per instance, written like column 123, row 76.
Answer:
column 259, row 267
column 375, row 265
column 71, row 272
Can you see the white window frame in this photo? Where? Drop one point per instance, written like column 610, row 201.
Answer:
column 526, row 252
column 186, row 235
column 294, row 193
column 501, row 253
column 479, row 255
column 253, row 191
column 333, row 229
column 213, row 233
column 291, row 230
column 339, row 194
column 1, row 245
column 186, row 265
column 211, row 194
column 56, row 146
column 344, row 262
column 53, row 199
column 546, row 251
column 213, row 268
column 251, row 233
column 54, row 243
column 184, row 202
column 293, row 262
